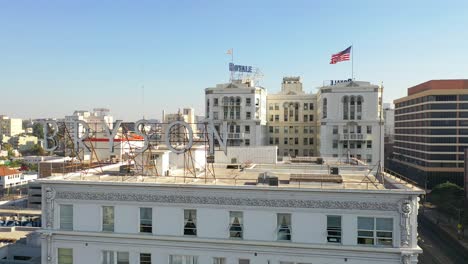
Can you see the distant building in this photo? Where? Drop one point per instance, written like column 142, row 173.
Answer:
column 389, row 119
column 292, row 120
column 431, row 132
column 187, row 115
column 240, row 108
column 96, row 120
column 12, row 178
column 351, row 122
column 10, row 126
column 23, row 142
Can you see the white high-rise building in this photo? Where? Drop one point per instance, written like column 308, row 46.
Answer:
column 240, row 108
column 351, row 122
column 10, row 126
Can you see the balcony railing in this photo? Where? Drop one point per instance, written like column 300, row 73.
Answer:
column 354, row 136
column 235, row 135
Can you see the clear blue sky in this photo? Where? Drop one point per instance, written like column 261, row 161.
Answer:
column 58, row 56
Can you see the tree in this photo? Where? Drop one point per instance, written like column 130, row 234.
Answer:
column 448, row 197
column 38, row 130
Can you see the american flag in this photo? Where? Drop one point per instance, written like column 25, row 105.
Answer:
column 341, row 56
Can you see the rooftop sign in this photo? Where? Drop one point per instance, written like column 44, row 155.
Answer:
column 239, row 68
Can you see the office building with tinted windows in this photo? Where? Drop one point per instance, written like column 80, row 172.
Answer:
column 431, row 132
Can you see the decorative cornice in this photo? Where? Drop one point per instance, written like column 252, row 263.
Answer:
column 213, row 200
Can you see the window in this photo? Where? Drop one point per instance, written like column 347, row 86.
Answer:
column 375, row 231
column 108, row 257
column 335, row 130
column 219, row 261
column 190, row 222
column 247, row 142
column 286, row 130
column 333, row 229
column 369, row 129
column 306, row 118
column 306, row 141
column 369, row 158
column 248, row 115
column 179, row 259
column 369, row 144
column 306, row 130
column 248, row 103
column 236, row 224
column 276, row 140
column 123, row 258
column 108, row 218
column 215, row 116
column 311, row 106
column 296, row 141
column 324, row 108
column 277, row 129
column 65, row 256
column 284, row 226
column 244, row 261
column 247, row 129
column 335, row 144
column 311, row 117
column 145, row 258
column 215, row 102
column 277, row 106
column 311, row 141
column 146, row 220
column 276, row 118
column 270, row 129
column 66, row 217
column 285, row 140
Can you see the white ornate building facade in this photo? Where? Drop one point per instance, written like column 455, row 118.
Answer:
column 352, row 122
column 143, row 220
column 239, row 108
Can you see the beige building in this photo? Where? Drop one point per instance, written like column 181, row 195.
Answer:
column 23, row 143
column 10, row 126
column 292, row 120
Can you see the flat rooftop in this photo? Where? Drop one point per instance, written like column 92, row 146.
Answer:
column 308, row 176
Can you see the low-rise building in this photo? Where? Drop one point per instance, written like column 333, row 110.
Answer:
column 11, row 178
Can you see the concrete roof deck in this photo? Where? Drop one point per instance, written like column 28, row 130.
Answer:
column 352, row 177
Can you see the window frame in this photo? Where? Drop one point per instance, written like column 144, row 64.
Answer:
column 61, row 254
column 241, row 225
column 193, row 221
column 143, row 226
column 103, row 222
column 64, row 225
column 287, row 227
column 375, row 238
column 337, row 229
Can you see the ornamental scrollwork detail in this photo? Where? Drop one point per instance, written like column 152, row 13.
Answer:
column 50, row 194
column 405, row 210
column 218, row 200
column 406, row 259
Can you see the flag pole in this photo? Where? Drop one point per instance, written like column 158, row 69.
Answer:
column 352, row 62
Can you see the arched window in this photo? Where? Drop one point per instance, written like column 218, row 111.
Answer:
column 352, row 110
column 324, row 108
column 345, row 107
column 360, row 100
